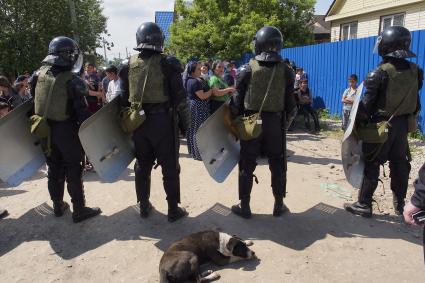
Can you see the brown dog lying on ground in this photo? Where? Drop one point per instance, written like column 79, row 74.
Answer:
column 181, row 262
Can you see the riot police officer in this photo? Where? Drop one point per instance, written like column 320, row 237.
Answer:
column 252, row 82
column 392, row 90
column 60, row 96
column 156, row 140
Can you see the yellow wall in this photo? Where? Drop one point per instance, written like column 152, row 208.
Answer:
column 348, row 6
column 351, row 5
column 368, row 25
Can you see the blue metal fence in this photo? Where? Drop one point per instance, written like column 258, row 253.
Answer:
column 329, row 65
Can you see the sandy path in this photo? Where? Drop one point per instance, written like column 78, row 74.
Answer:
column 316, row 242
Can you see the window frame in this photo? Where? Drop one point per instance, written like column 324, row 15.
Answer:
column 382, row 18
column 349, row 30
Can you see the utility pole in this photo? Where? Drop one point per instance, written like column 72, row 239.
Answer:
column 126, row 52
column 74, row 20
column 104, row 50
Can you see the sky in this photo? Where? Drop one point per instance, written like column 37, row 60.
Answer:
column 124, row 17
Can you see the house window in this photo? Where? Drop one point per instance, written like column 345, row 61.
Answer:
column 348, row 31
column 392, row 20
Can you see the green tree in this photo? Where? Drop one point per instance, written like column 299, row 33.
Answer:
column 27, row 27
column 225, row 28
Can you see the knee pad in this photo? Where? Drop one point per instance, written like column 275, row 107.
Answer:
column 371, row 170
column 277, row 164
column 400, row 168
column 244, row 174
column 248, row 166
column 143, row 170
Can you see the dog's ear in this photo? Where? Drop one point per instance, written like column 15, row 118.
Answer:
column 232, row 244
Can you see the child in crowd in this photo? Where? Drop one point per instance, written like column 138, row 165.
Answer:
column 348, row 100
column 305, row 98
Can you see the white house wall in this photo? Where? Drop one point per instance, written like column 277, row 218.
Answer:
column 368, row 25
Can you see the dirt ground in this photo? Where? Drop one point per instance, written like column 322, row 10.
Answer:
column 317, row 242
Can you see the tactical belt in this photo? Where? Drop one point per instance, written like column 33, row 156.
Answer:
column 250, row 112
column 380, row 118
column 157, row 111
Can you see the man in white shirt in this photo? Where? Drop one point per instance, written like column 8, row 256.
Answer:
column 114, row 86
column 348, row 100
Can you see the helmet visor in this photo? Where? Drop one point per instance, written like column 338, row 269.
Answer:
column 378, row 42
column 78, row 63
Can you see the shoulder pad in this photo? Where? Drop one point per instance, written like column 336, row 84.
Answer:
column 244, row 70
column 375, row 78
column 420, row 71
column 376, row 74
column 36, row 73
column 289, row 70
column 123, row 70
column 34, row 77
column 174, row 63
column 79, row 85
column 124, row 64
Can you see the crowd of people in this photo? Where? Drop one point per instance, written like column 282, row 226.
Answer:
column 208, row 86
column 16, row 94
column 304, row 98
column 103, row 85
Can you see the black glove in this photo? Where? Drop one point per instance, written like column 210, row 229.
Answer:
column 183, row 112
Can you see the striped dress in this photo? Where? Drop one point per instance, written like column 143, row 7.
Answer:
column 199, row 110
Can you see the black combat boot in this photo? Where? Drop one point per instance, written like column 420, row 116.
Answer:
column 59, row 208
column 398, row 204
column 175, row 212
column 143, row 191
column 243, row 209
column 279, row 207
column 363, row 206
column 358, row 208
column 82, row 212
column 145, row 208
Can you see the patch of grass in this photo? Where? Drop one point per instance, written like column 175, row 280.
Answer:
column 414, row 149
column 417, row 135
column 331, row 132
column 331, row 128
column 325, row 114
column 330, row 124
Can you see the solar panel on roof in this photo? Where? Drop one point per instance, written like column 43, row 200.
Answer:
column 164, row 20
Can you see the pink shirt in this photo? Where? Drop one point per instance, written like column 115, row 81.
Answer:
column 233, row 73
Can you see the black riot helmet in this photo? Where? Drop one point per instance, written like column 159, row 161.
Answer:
column 64, row 52
column 149, row 36
column 394, row 42
column 267, row 39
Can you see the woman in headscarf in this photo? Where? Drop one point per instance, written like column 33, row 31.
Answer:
column 198, row 93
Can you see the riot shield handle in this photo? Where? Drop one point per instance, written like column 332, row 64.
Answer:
column 110, row 154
